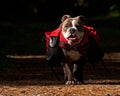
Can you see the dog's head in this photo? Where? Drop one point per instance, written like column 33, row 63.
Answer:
column 72, row 28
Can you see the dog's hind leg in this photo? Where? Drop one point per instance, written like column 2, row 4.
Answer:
column 65, row 73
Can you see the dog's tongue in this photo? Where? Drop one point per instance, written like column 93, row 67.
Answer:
column 72, row 38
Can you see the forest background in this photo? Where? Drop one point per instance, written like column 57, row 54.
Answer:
column 23, row 23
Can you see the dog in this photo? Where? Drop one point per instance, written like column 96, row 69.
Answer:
column 73, row 60
column 71, row 40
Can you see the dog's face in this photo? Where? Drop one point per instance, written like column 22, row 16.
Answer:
column 72, row 28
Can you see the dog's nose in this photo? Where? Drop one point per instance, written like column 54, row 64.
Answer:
column 72, row 30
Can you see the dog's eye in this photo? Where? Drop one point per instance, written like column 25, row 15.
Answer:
column 66, row 26
column 79, row 28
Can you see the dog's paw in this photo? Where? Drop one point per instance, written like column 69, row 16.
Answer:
column 74, row 82
column 70, row 83
column 77, row 81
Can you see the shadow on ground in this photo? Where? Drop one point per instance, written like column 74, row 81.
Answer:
column 36, row 71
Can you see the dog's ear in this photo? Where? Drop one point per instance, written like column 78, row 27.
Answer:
column 64, row 17
column 82, row 19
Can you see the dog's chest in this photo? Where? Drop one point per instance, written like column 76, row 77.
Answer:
column 72, row 54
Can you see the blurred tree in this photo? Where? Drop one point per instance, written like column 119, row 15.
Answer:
column 52, row 9
column 94, row 7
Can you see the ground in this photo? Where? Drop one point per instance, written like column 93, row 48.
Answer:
column 32, row 76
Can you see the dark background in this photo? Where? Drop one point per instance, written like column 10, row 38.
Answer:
column 22, row 27
column 23, row 22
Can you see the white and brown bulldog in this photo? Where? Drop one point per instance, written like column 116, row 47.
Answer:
column 72, row 31
column 69, row 44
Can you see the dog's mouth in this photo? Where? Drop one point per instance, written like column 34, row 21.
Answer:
column 72, row 37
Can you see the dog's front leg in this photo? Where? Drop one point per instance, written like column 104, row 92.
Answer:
column 65, row 73
column 75, row 69
column 69, row 74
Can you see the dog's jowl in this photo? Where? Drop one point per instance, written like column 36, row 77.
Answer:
column 71, row 39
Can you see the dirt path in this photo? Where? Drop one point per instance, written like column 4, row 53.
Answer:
column 61, row 90
column 33, row 77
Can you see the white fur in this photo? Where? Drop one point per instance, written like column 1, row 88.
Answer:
column 77, row 33
column 67, row 33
